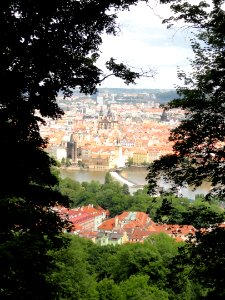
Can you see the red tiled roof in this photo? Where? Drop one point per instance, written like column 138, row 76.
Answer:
column 139, row 234
column 175, row 229
column 123, row 215
column 108, row 224
column 133, row 224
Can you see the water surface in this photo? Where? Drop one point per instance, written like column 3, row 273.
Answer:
column 134, row 174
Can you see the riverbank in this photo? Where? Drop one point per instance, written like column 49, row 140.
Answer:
column 131, row 174
column 103, row 170
column 136, row 175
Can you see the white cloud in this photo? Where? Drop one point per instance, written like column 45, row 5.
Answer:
column 145, row 42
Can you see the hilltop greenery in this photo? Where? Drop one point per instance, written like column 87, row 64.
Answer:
column 198, row 141
column 134, row 271
column 158, row 268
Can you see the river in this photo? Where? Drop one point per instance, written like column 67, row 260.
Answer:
column 133, row 174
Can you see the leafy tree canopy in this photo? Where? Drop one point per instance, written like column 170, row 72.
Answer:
column 199, row 149
column 44, row 48
column 199, row 139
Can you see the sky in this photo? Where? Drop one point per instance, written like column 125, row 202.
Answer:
column 144, row 42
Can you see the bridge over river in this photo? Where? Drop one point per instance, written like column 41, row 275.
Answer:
column 131, row 175
column 124, row 180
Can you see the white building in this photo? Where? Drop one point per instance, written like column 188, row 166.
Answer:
column 61, row 153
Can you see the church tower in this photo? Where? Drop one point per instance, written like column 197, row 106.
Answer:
column 119, row 159
column 164, row 117
column 72, row 149
column 108, row 120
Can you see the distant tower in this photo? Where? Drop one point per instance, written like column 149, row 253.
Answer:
column 118, row 148
column 101, row 114
column 72, row 149
column 109, row 118
column 164, row 117
column 119, row 159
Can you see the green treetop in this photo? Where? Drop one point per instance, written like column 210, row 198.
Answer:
column 199, row 149
column 199, row 139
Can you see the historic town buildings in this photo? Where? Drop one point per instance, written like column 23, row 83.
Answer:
column 129, row 227
column 106, row 135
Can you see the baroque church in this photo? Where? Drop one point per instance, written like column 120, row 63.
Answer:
column 108, row 120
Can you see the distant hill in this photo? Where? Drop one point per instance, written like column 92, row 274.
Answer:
column 166, row 96
column 160, row 95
